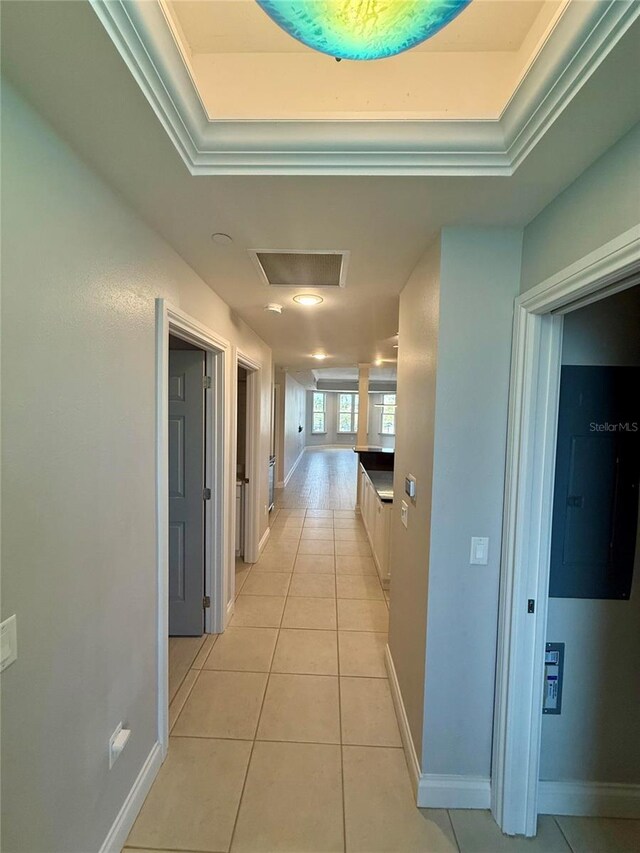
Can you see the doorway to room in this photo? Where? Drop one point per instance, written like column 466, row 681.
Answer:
column 248, row 465
column 592, row 651
column 523, row 666
column 194, row 417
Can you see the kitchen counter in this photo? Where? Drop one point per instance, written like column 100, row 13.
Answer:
column 374, row 458
column 382, row 482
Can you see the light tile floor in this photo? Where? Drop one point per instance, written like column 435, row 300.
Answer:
column 283, row 734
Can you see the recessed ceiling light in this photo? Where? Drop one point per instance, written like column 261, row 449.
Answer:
column 378, row 362
column 319, row 355
column 307, row 299
column 274, row 307
column 221, row 239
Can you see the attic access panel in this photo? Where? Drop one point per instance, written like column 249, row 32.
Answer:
column 295, row 268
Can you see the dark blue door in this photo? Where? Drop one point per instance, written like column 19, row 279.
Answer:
column 595, row 508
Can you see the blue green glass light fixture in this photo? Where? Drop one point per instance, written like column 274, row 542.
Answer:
column 362, row 29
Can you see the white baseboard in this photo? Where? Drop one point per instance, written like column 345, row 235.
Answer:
column 441, row 791
column 293, row 468
column 117, row 835
column 434, row 790
column 229, row 612
column 346, row 446
column 589, row 799
column 264, row 540
column 403, row 723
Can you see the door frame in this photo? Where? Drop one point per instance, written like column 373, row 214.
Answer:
column 526, row 539
column 251, row 544
column 219, row 557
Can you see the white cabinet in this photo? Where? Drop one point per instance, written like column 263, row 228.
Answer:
column 376, row 517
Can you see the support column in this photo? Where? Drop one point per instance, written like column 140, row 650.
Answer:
column 362, row 438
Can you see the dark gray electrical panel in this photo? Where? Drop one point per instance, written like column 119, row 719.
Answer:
column 553, row 673
column 597, row 478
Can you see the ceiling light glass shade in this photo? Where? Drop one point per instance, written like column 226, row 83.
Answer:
column 307, row 299
column 362, row 29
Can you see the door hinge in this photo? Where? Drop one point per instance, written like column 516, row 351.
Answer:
column 206, row 382
column 206, row 494
column 206, row 602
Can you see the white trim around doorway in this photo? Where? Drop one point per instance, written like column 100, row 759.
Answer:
column 251, row 546
column 219, row 541
column 533, row 413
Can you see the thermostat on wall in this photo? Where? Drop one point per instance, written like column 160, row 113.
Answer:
column 410, row 486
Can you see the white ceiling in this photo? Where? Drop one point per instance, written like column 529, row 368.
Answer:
column 467, row 70
column 80, row 83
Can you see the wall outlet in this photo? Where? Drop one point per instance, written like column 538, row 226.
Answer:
column 117, row 743
column 404, row 513
column 8, row 642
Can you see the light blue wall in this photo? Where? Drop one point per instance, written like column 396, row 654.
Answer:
column 601, row 204
column 479, row 280
column 80, row 276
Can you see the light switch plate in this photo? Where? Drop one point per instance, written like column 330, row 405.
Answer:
column 410, row 486
column 8, row 642
column 479, row 551
column 404, row 513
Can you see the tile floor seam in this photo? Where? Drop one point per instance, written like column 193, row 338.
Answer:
column 562, row 833
column 186, row 699
column 453, row 829
column 189, row 669
column 255, row 734
column 344, row 813
column 168, row 849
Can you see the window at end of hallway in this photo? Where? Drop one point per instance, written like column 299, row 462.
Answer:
column 388, row 415
column 318, row 422
column 348, row 413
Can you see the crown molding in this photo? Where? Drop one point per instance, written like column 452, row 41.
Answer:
column 583, row 36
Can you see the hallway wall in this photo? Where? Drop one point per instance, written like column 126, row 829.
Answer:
column 409, row 562
column 480, row 276
column 453, row 374
column 601, row 204
column 294, row 440
column 80, row 277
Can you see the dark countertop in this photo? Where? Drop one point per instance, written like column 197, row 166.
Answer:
column 375, row 458
column 383, row 484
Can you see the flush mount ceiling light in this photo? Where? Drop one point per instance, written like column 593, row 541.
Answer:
column 307, row 299
column 362, row 29
column 319, row 355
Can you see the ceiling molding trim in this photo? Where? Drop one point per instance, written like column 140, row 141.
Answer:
column 582, row 38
